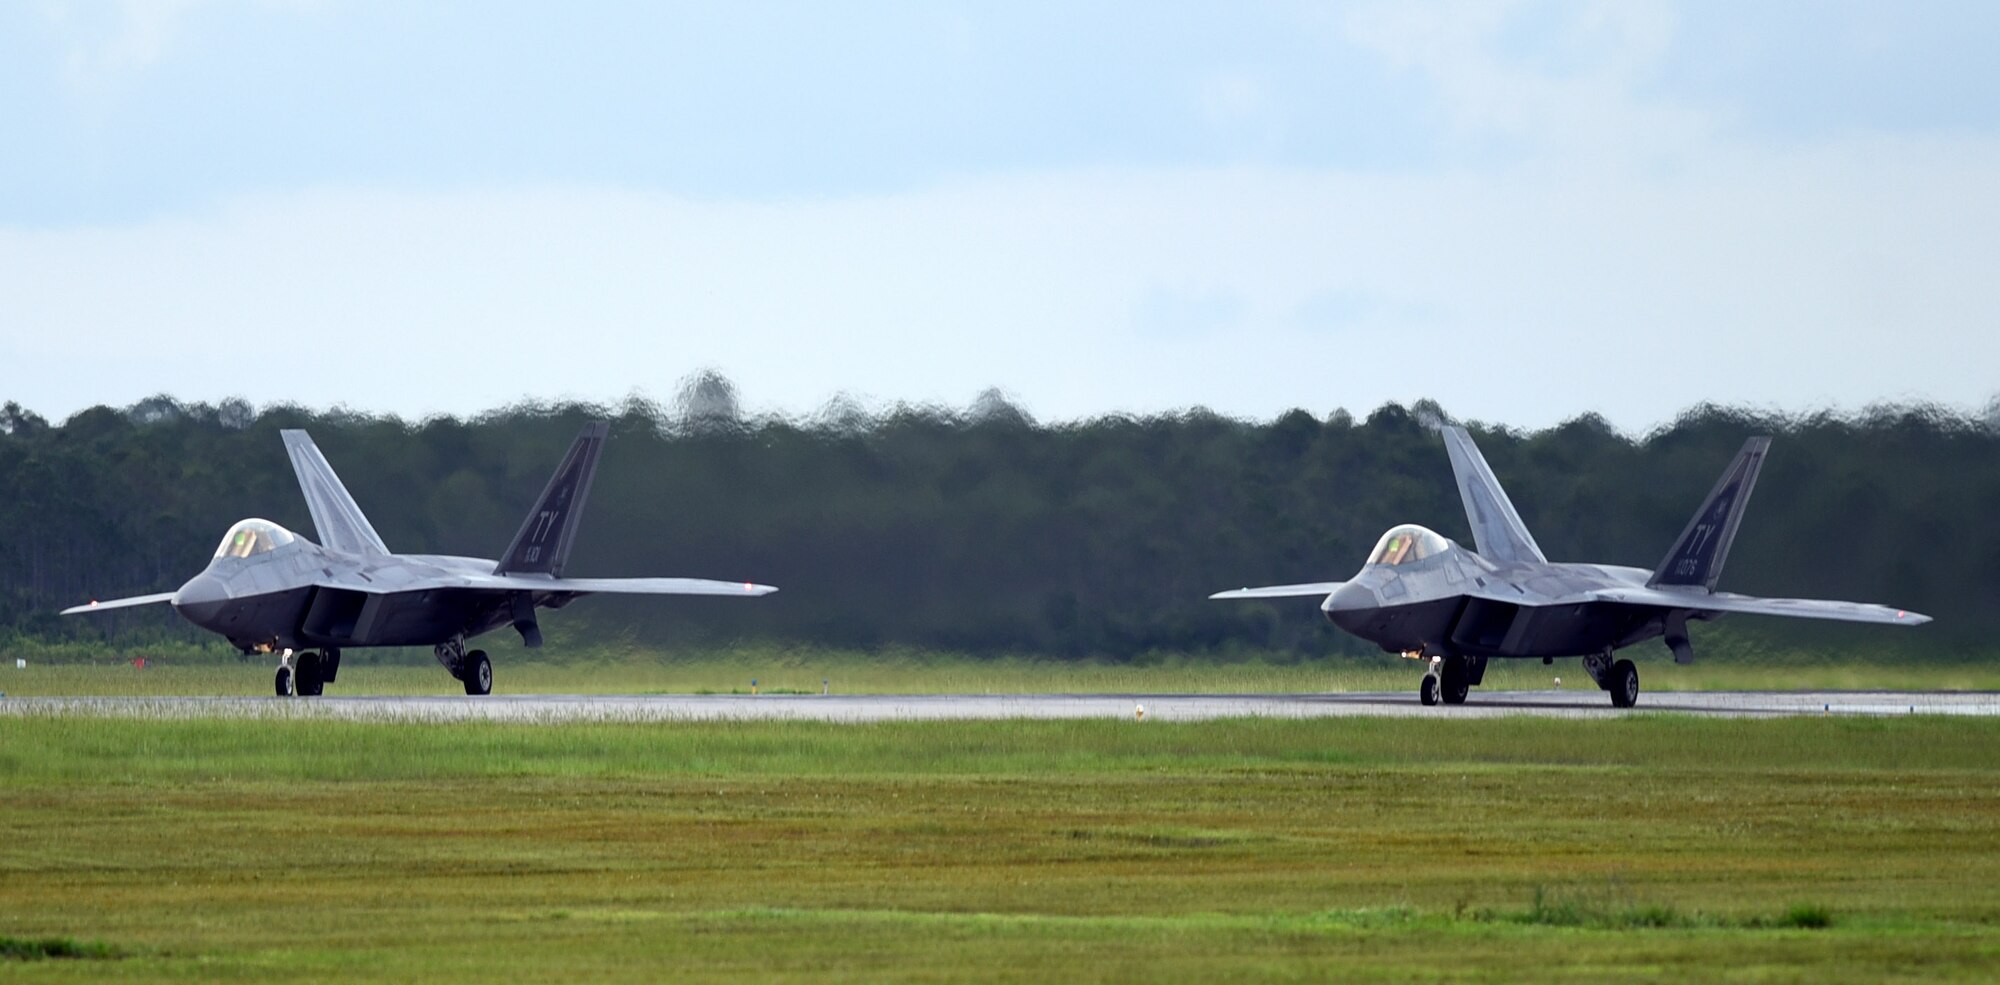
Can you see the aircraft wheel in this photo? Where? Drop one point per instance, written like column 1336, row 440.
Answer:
column 284, row 682
column 305, row 677
column 478, row 673
column 1428, row 690
column 1452, row 685
column 1624, row 684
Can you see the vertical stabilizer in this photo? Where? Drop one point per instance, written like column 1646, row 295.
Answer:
column 1696, row 558
column 340, row 523
column 1497, row 531
column 542, row 546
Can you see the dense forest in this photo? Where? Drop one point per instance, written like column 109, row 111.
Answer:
column 982, row 531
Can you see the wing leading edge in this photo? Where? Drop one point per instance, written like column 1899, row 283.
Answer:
column 96, row 606
column 1319, row 588
column 628, row 586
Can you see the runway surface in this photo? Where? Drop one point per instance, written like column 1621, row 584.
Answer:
column 557, row 708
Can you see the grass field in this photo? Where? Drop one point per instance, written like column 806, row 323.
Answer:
column 777, row 670
column 1640, row 849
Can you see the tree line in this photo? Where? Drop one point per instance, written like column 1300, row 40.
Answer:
column 983, row 531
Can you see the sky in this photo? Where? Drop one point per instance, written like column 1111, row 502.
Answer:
column 1525, row 211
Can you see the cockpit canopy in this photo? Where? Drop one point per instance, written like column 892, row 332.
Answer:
column 1407, row 543
column 251, row 537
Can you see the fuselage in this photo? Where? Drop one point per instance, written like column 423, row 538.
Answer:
column 1455, row 602
column 268, row 588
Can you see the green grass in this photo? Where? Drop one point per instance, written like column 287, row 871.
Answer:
column 807, row 671
column 1645, row 849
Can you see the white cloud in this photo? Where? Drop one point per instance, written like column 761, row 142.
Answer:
column 1576, row 101
column 1844, row 275
column 1631, row 257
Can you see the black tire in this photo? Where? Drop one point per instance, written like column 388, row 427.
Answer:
column 478, row 673
column 284, row 682
column 305, row 675
column 1427, row 692
column 1453, row 684
column 1624, row 683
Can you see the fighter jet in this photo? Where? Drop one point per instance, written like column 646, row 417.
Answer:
column 268, row 590
column 1421, row 595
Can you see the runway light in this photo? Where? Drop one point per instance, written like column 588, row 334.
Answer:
column 1139, row 713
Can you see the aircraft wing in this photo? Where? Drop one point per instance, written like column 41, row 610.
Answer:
column 1795, row 608
column 635, row 586
column 1319, row 588
column 96, row 606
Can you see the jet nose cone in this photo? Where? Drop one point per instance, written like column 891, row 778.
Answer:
column 200, row 589
column 200, row 599
column 1349, row 597
column 1349, row 605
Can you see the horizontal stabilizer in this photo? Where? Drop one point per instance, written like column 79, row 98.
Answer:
column 95, row 606
column 1696, row 558
column 546, row 536
column 1314, row 588
column 340, row 523
column 1497, row 531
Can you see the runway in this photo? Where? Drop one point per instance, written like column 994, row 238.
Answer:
column 559, row 708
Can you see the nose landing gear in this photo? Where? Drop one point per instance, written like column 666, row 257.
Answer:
column 306, row 673
column 1449, row 680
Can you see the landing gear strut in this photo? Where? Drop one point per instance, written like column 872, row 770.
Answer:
column 470, row 667
column 1619, row 677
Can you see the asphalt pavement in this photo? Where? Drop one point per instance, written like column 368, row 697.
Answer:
column 558, row 708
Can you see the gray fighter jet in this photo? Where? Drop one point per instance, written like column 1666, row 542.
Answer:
column 271, row 591
column 1426, row 597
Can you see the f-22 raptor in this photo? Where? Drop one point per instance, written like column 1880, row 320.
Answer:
column 268, row 590
column 1426, row 597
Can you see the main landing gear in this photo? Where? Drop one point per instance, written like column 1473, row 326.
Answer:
column 1620, row 677
column 1449, row 680
column 471, row 667
column 307, row 673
